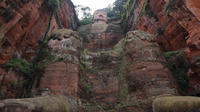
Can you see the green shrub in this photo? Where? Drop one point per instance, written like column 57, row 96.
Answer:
column 20, row 65
column 171, row 54
column 54, row 4
column 169, row 5
column 179, row 65
column 85, row 21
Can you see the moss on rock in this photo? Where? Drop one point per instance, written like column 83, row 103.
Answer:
column 39, row 104
column 179, row 65
column 176, row 104
column 20, row 65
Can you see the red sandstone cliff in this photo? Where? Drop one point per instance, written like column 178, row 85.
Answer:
column 23, row 23
column 174, row 22
column 108, row 74
column 22, row 26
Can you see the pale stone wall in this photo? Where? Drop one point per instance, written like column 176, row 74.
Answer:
column 100, row 15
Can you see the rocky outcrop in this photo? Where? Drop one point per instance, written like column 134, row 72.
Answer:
column 146, row 75
column 61, row 75
column 40, row 104
column 58, row 84
column 176, row 104
column 99, row 36
column 175, row 24
column 11, row 84
column 126, row 77
column 162, row 18
column 23, row 24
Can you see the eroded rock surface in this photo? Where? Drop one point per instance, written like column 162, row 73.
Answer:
column 61, row 76
column 175, row 24
column 147, row 77
column 23, row 24
column 129, row 75
column 59, row 83
column 39, row 104
column 176, row 104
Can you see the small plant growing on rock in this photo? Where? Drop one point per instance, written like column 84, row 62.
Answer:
column 179, row 65
column 54, row 4
column 168, row 6
column 20, row 65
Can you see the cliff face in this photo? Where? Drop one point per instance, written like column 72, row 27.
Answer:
column 99, row 68
column 23, row 23
column 176, row 25
column 174, row 22
column 22, row 26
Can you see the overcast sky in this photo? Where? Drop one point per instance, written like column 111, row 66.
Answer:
column 93, row 4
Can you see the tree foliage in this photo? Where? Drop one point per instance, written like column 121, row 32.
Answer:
column 54, row 4
column 115, row 10
column 20, row 65
column 85, row 15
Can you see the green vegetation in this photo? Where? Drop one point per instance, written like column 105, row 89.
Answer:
column 27, row 69
column 85, row 85
column 54, row 4
column 87, row 16
column 176, row 104
column 148, row 11
column 21, row 66
column 171, row 54
column 116, row 9
column 1, row 84
column 85, row 66
column 179, row 65
column 127, row 13
column 122, row 80
column 7, row 14
column 85, row 21
column 122, row 77
column 169, row 5
column 92, row 107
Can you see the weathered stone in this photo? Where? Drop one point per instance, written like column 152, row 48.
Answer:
column 60, row 79
column 106, row 38
column 145, row 70
column 11, row 84
column 194, row 76
column 40, row 104
column 176, row 104
column 100, row 15
column 61, row 76
column 23, row 24
column 102, row 75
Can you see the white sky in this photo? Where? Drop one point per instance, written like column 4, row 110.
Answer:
column 93, row 4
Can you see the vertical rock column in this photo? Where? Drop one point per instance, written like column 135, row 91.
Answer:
column 61, row 75
column 147, row 76
column 59, row 83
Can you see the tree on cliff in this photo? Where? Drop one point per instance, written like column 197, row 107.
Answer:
column 84, row 13
column 116, row 9
column 53, row 6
